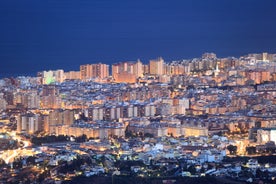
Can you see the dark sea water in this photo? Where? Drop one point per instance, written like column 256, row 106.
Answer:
column 43, row 35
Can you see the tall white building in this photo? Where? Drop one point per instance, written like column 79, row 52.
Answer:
column 3, row 103
column 52, row 76
column 265, row 135
column 28, row 123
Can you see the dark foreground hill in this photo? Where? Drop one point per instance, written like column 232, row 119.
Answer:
column 141, row 180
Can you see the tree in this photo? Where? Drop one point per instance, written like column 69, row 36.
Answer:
column 128, row 133
column 17, row 164
column 149, row 135
column 31, row 160
column 258, row 124
column 192, row 169
column 232, row 149
column 251, row 150
column 2, row 163
column 49, row 139
column 81, row 138
column 261, row 174
column 270, row 147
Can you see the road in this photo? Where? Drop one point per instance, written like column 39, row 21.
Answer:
column 9, row 155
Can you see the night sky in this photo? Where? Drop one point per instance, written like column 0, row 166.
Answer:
column 40, row 35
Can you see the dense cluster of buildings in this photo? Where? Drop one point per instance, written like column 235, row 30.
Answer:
column 192, row 110
column 200, row 96
column 208, row 65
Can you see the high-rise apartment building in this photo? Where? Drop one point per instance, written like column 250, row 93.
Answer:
column 59, row 117
column 86, row 71
column 100, row 70
column 50, row 97
column 28, row 123
column 3, row 103
column 127, row 71
column 30, row 100
column 156, row 66
column 50, row 90
column 138, row 69
column 51, row 76
column 72, row 75
column 89, row 71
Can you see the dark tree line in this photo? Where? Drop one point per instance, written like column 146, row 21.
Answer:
column 54, row 138
column 49, row 139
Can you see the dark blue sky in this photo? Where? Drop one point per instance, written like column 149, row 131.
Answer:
column 41, row 35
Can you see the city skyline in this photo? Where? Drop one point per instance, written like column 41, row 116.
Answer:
column 156, row 91
column 103, row 70
column 202, row 120
column 50, row 35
